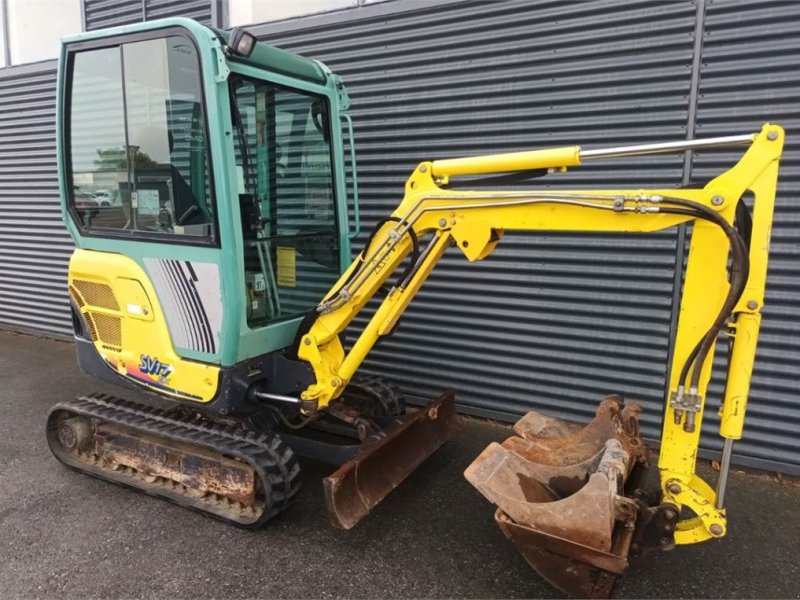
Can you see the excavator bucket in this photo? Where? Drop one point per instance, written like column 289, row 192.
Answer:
column 386, row 460
column 559, row 492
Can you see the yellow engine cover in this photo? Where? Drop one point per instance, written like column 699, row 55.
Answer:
column 129, row 329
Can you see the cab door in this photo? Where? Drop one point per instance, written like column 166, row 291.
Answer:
column 139, row 198
column 287, row 146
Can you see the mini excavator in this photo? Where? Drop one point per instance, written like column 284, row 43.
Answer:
column 216, row 277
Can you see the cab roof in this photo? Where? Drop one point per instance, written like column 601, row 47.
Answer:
column 264, row 55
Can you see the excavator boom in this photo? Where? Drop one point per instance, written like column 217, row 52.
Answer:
column 573, row 499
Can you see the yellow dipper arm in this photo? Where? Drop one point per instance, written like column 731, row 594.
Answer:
column 430, row 219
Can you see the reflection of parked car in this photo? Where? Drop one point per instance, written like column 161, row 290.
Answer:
column 104, row 197
column 86, row 200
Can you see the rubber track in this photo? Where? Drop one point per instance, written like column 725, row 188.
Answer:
column 387, row 394
column 273, row 461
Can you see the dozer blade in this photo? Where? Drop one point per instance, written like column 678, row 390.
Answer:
column 559, row 493
column 384, row 462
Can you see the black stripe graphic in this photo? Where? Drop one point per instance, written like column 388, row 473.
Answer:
column 177, row 311
column 206, row 324
column 182, row 301
column 193, row 305
column 191, row 270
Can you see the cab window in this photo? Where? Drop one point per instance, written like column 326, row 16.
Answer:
column 287, row 197
column 137, row 142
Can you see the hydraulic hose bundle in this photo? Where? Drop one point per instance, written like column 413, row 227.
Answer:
column 739, row 273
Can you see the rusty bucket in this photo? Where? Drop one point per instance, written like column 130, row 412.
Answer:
column 559, row 492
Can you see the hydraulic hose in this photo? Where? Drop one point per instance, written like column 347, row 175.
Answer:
column 740, row 270
column 739, row 274
column 406, row 274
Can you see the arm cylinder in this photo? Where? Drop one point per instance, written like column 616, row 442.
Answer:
column 739, row 373
column 571, row 156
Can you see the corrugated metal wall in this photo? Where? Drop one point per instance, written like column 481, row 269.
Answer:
column 751, row 74
column 34, row 246
column 110, row 13
column 552, row 321
column 199, row 10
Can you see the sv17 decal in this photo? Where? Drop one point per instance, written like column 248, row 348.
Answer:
column 153, row 366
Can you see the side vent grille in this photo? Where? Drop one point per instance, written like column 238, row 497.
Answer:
column 97, row 294
column 76, row 296
column 109, row 330
column 92, row 326
column 95, row 300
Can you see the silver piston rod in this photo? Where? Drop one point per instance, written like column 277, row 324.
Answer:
column 724, row 469
column 729, row 141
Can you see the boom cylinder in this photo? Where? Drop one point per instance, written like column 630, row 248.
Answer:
column 728, row 141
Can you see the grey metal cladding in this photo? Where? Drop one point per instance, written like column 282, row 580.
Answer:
column 34, row 245
column 558, row 320
column 199, row 10
column 111, row 13
column 552, row 321
column 751, row 74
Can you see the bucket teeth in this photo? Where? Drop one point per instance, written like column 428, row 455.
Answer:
column 557, row 485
